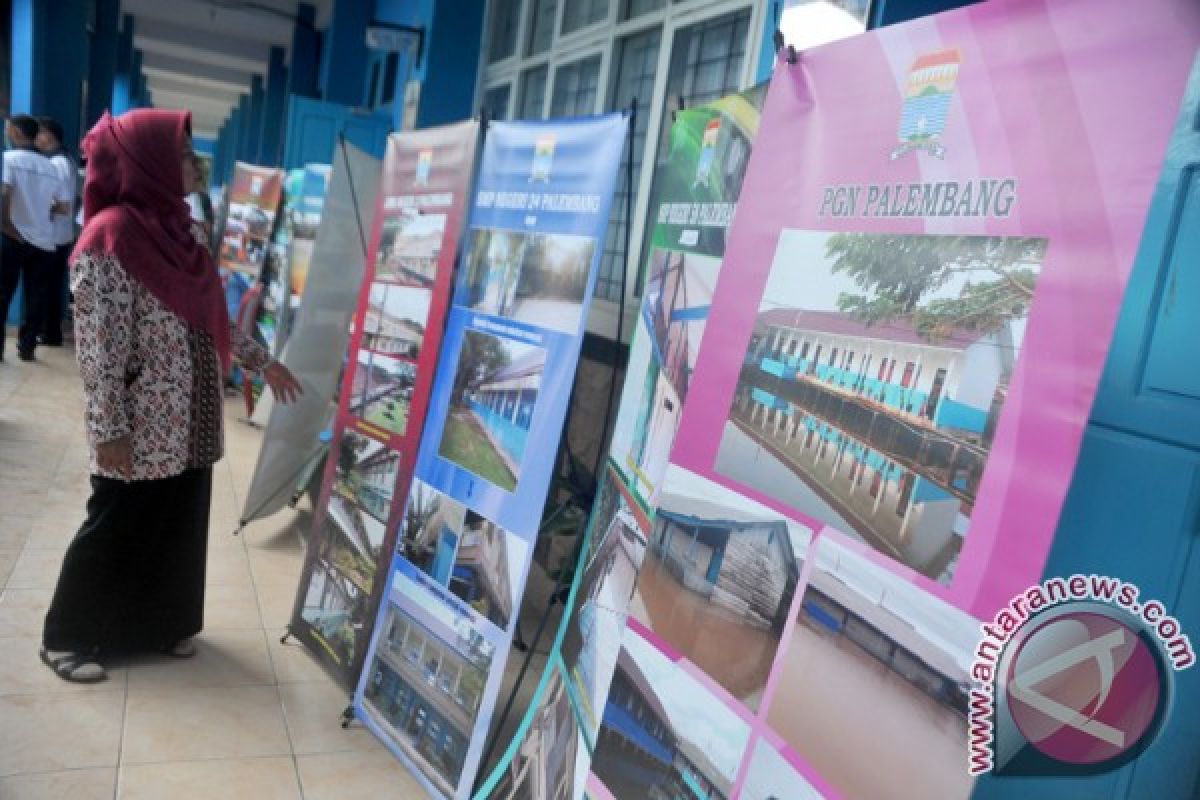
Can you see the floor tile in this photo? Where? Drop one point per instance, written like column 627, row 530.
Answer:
column 356, row 776
column 8, row 560
column 22, row 611
column 313, row 711
column 22, row 499
column 293, row 661
column 14, row 531
column 223, row 658
column 49, row 732
column 190, row 724
column 272, row 778
column 227, row 565
column 22, row 672
column 36, row 569
column 231, row 606
column 275, row 603
column 54, row 532
column 75, row 784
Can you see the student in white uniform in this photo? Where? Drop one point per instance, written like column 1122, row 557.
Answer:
column 50, row 143
column 32, row 196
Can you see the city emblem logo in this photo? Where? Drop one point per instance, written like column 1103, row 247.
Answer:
column 543, row 158
column 708, row 152
column 931, row 83
column 424, row 166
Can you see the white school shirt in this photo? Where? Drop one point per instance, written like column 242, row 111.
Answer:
column 64, row 224
column 33, row 187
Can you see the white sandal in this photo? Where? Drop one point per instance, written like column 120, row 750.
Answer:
column 73, row 667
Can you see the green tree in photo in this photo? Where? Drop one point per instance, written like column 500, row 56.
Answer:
column 481, row 355
column 897, row 273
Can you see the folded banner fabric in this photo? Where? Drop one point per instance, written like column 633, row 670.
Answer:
column 316, row 350
column 397, row 333
column 809, row 515
column 539, row 213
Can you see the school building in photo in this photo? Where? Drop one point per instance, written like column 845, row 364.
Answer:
column 426, row 682
column 480, row 575
column 543, row 768
column 639, row 754
column 747, row 567
column 504, row 401
column 396, row 336
column 373, row 481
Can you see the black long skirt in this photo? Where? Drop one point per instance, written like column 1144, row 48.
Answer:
column 133, row 577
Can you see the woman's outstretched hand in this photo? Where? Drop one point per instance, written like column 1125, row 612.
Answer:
column 283, row 383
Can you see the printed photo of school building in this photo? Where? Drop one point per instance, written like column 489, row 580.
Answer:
column 543, row 768
column 336, row 609
column 503, row 403
column 639, row 754
column 718, row 580
column 407, row 256
column 426, row 683
column 888, row 429
column 387, row 332
column 480, row 574
column 367, row 473
column 881, row 668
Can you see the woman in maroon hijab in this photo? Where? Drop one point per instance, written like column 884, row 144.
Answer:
column 154, row 342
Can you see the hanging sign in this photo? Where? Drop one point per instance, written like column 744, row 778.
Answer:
column 398, row 325
column 539, row 213
column 873, row 452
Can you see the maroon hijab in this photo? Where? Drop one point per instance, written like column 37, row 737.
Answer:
column 133, row 208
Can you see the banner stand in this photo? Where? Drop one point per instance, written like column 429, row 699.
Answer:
column 560, row 583
column 321, row 447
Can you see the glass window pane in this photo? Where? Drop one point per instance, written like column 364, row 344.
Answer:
column 581, row 13
column 502, row 42
column 533, row 94
column 543, row 26
column 635, row 8
column 575, row 88
column 636, row 60
column 495, row 102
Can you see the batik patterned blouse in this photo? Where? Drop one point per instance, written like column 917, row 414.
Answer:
column 147, row 374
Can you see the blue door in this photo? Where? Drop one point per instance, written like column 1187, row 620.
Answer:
column 313, row 128
column 443, row 560
column 1133, row 510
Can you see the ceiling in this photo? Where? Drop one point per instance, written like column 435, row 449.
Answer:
column 202, row 54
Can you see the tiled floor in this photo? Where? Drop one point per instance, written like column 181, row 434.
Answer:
column 246, row 718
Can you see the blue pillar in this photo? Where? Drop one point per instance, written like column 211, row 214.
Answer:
column 28, row 52
column 123, row 75
column 137, row 81
column 242, row 153
column 64, row 66
column 450, row 64
column 270, row 148
column 344, row 58
column 102, row 59
column 254, row 119
column 306, row 45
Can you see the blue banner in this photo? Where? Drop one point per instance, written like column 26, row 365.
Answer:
column 526, row 272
